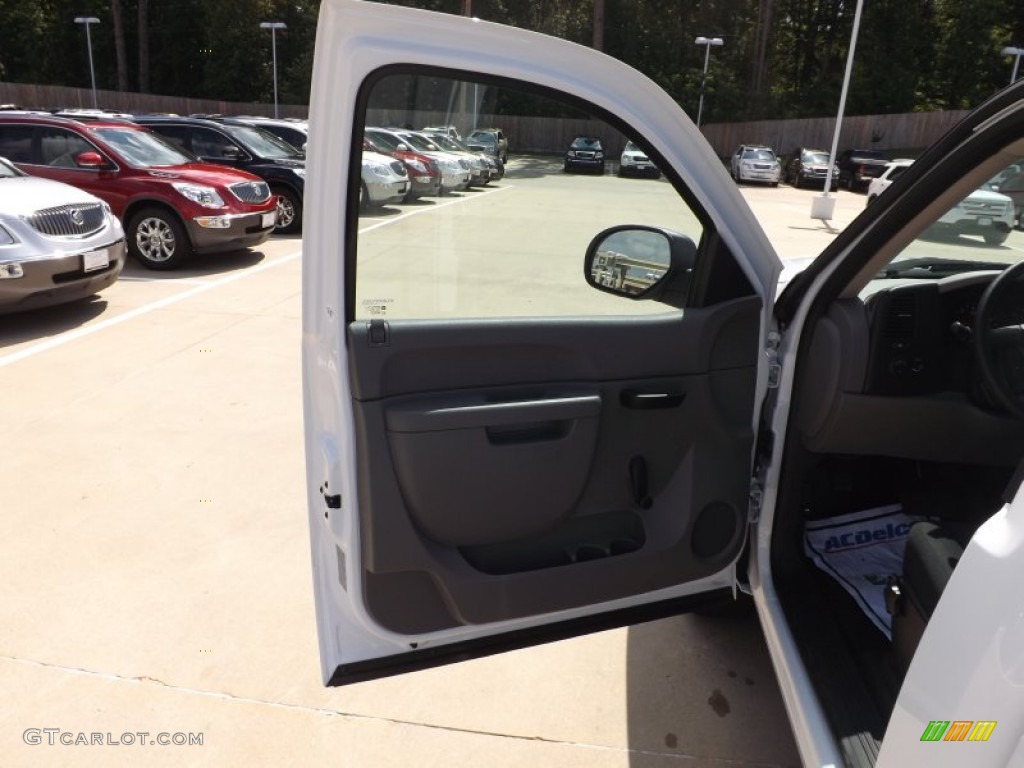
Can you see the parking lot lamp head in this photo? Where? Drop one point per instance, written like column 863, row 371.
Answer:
column 87, row 21
column 707, row 42
column 273, row 26
column 1012, row 50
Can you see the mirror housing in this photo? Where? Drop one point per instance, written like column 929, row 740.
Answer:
column 642, row 262
column 89, row 160
column 231, row 152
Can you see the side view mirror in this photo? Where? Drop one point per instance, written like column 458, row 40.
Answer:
column 641, row 262
column 89, row 160
column 231, row 152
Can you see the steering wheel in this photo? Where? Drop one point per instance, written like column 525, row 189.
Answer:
column 999, row 342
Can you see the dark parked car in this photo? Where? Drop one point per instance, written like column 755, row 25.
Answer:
column 493, row 139
column 857, row 167
column 295, row 132
column 234, row 142
column 809, row 167
column 585, row 153
column 169, row 203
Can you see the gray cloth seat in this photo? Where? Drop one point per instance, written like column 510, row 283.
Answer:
column 932, row 553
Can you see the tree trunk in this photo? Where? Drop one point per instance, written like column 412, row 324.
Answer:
column 144, row 46
column 117, row 16
column 598, row 25
column 759, row 77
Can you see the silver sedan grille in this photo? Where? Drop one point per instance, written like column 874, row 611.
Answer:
column 68, row 220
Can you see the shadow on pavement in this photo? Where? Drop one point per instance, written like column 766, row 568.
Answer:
column 421, row 203
column 200, row 266
column 533, row 166
column 49, row 321
column 702, row 687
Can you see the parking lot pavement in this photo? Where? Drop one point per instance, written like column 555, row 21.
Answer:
column 785, row 215
column 156, row 579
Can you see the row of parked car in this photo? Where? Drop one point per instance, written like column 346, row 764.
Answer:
column 806, row 167
column 80, row 190
column 432, row 161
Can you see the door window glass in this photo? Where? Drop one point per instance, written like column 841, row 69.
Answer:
column 211, row 144
column 177, row 135
column 59, row 147
column 448, row 233
column 16, row 143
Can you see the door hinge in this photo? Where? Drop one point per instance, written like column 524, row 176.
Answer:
column 771, row 351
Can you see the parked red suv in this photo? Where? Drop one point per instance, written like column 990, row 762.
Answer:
column 170, row 203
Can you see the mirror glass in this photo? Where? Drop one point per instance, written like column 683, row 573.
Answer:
column 631, row 261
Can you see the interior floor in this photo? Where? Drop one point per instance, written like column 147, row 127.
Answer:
column 853, row 666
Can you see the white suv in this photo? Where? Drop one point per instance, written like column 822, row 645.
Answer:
column 881, row 183
column 983, row 212
column 752, row 162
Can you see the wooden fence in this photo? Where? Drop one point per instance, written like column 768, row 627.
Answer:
column 903, row 133
column 60, row 97
column 908, row 133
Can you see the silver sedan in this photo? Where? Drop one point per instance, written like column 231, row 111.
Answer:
column 57, row 243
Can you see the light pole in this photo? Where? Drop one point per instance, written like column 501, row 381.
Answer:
column 1017, row 53
column 707, row 42
column 273, row 26
column 87, row 20
column 824, row 207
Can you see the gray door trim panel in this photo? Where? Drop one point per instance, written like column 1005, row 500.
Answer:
column 446, row 501
column 445, row 412
column 439, row 355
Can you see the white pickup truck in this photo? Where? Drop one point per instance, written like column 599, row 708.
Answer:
column 505, row 447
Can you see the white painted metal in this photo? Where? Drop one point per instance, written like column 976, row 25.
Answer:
column 353, row 40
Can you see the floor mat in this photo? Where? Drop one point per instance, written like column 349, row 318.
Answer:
column 862, row 551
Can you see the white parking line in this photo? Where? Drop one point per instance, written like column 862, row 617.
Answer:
column 170, row 281
column 477, row 196
column 145, row 309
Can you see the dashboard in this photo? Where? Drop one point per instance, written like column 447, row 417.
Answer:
column 892, row 373
column 922, row 333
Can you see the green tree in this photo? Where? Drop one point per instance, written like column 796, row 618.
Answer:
column 968, row 67
column 895, row 56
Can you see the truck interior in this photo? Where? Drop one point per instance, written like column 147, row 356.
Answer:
column 911, row 397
